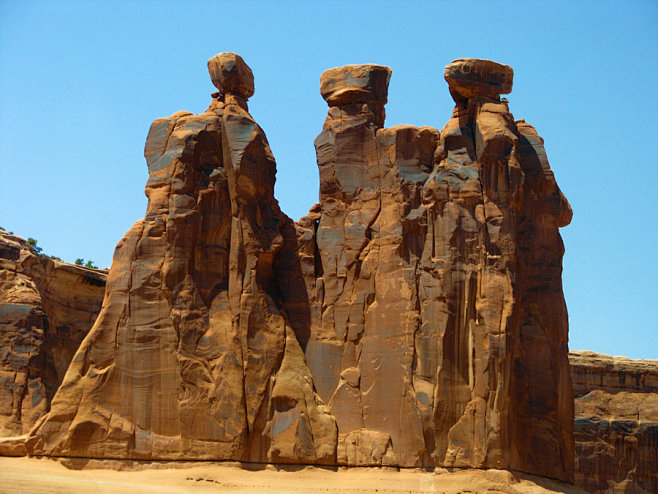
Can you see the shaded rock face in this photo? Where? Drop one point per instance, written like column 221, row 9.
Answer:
column 616, row 423
column 46, row 309
column 415, row 317
column 433, row 266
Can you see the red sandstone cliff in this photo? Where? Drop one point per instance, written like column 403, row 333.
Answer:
column 46, row 309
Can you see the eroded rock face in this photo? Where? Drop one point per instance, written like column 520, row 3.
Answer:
column 46, row 309
column 616, row 429
column 415, row 317
column 193, row 355
column 433, row 266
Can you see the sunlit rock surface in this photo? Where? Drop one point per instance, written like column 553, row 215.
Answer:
column 46, row 309
column 193, row 355
column 415, row 317
column 616, row 423
column 433, row 265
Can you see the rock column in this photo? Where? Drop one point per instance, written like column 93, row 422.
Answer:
column 192, row 355
column 438, row 332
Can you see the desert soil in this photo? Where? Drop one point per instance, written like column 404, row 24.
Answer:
column 45, row 475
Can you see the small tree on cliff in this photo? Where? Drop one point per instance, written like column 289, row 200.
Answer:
column 33, row 245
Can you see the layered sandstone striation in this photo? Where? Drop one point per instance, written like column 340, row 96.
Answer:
column 616, row 423
column 414, row 317
column 46, row 309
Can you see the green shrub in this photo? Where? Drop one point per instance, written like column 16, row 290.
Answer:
column 33, row 245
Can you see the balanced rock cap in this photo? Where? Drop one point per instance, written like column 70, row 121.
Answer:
column 469, row 77
column 366, row 83
column 230, row 74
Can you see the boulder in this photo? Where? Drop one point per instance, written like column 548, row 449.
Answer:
column 230, row 74
column 367, row 83
column 473, row 77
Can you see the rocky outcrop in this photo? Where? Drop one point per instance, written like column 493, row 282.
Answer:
column 433, row 262
column 616, row 429
column 415, row 317
column 193, row 355
column 46, row 309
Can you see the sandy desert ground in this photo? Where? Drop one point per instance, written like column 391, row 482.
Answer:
column 44, row 475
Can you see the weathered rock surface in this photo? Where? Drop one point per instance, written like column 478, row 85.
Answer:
column 616, row 430
column 471, row 77
column 415, row 317
column 595, row 371
column 355, row 84
column 433, row 266
column 231, row 75
column 193, row 355
column 46, row 309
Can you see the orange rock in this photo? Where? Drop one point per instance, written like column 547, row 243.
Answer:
column 193, row 355
column 616, row 429
column 46, row 309
column 433, row 265
column 472, row 77
column 230, row 74
column 415, row 317
column 355, row 84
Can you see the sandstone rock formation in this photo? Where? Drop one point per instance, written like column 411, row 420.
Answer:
column 468, row 78
column 433, row 263
column 414, row 317
column 193, row 355
column 46, row 309
column 616, row 428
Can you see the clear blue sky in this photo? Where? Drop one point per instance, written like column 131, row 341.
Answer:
column 80, row 83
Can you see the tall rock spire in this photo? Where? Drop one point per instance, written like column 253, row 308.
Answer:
column 415, row 317
column 192, row 355
column 433, row 259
